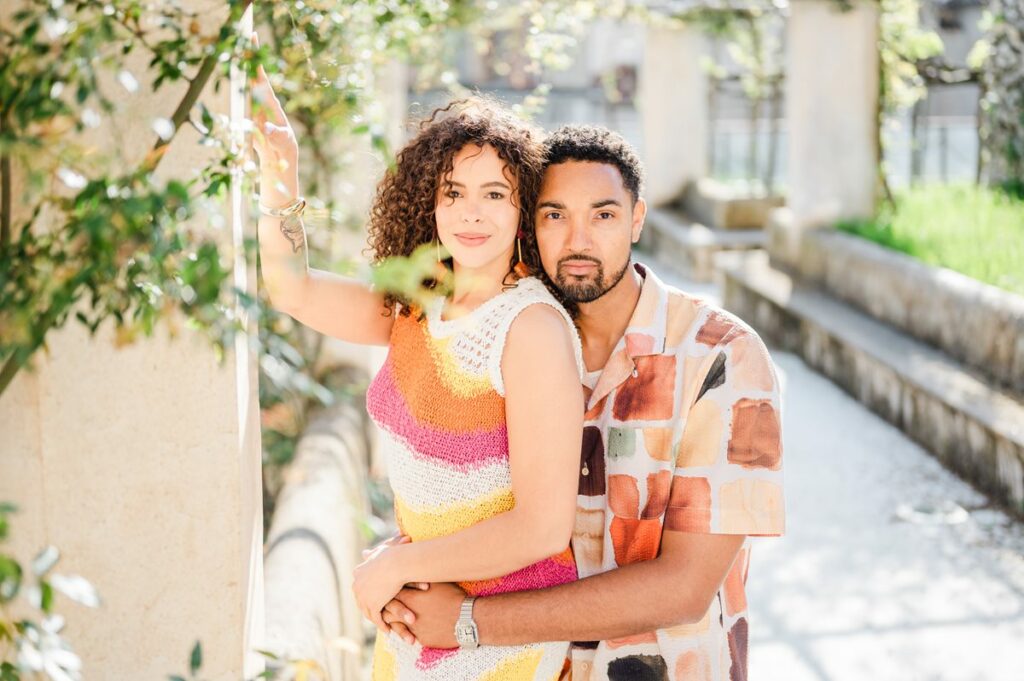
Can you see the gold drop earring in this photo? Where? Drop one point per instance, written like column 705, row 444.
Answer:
column 521, row 268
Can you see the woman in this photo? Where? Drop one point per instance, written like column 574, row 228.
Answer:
column 480, row 398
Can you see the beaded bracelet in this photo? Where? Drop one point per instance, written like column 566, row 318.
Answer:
column 295, row 207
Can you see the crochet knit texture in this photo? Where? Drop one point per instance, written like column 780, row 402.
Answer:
column 439, row 402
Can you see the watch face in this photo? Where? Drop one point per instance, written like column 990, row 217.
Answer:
column 465, row 632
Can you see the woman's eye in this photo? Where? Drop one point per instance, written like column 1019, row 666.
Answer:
column 452, row 194
column 495, row 195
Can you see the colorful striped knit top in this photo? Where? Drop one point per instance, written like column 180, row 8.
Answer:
column 439, row 402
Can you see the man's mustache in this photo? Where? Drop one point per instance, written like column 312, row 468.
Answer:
column 588, row 258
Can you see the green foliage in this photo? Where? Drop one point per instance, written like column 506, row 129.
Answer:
column 31, row 648
column 277, row 667
column 902, row 45
column 998, row 55
column 977, row 231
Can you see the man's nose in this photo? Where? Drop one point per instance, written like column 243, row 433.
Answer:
column 579, row 236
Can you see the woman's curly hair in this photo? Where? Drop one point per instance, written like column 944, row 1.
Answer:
column 402, row 216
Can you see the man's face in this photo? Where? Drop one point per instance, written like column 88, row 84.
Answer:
column 586, row 226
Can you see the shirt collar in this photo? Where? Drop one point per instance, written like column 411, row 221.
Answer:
column 644, row 335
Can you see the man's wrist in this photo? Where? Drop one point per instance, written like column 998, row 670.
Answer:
column 481, row 607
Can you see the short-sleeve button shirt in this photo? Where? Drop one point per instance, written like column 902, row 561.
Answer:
column 682, row 433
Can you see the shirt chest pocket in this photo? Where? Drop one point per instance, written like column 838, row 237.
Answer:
column 639, row 468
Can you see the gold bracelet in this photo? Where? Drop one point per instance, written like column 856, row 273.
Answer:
column 295, row 207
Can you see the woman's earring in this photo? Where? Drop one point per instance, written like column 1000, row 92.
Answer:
column 521, row 268
column 437, row 244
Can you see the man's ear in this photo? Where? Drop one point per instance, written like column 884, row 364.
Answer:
column 639, row 215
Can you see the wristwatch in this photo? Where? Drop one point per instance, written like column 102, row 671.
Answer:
column 465, row 629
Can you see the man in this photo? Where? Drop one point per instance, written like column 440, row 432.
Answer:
column 681, row 457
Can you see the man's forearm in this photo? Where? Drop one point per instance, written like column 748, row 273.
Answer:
column 623, row 602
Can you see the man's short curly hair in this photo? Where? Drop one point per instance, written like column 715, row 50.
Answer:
column 598, row 144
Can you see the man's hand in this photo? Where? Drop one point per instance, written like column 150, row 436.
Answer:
column 428, row 616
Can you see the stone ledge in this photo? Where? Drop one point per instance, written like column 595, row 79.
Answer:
column 315, row 541
column 719, row 206
column 976, row 430
column 978, row 324
column 691, row 246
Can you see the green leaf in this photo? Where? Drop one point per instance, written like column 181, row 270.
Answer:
column 10, row 578
column 46, row 596
column 196, row 660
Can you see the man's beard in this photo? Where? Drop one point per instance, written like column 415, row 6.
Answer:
column 581, row 290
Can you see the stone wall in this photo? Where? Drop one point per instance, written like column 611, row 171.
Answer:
column 972, row 429
column 142, row 463
column 979, row 324
column 315, row 542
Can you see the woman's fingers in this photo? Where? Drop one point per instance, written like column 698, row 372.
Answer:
column 266, row 105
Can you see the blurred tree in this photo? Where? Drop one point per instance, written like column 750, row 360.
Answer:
column 1000, row 56
column 99, row 241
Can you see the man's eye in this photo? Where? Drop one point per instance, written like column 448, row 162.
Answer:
column 554, row 215
column 605, row 215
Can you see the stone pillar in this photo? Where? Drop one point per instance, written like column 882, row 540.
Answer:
column 673, row 106
column 831, row 110
column 142, row 464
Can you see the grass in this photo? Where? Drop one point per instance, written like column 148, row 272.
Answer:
column 977, row 231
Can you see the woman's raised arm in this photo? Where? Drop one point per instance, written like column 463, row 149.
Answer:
column 334, row 305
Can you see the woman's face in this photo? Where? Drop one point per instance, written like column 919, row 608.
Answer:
column 477, row 219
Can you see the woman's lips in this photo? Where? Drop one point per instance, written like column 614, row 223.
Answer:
column 471, row 238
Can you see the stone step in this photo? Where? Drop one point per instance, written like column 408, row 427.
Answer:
column 974, row 428
column 691, row 246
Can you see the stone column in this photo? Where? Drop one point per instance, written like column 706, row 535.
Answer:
column 142, row 464
column 673, row 111
column 831, row 109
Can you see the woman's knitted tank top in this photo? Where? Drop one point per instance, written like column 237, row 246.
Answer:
column 439, row 401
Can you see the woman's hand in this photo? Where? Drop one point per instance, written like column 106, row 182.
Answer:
column 378, row 579
column 275, row 143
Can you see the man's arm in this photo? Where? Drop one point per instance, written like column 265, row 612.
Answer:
column 675, row 588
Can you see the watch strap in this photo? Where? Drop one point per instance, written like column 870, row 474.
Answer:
column 466, row 632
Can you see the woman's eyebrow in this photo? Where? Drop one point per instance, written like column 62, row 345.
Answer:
column 495, row 183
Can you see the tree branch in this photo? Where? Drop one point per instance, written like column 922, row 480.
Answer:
column 195, row 88
column 5, row 191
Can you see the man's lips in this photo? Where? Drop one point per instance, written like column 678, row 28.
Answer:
column 578, row 267
column 472, row 238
